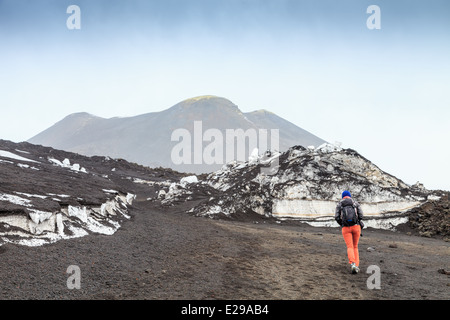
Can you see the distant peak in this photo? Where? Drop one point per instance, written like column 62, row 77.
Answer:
column 261, row 112
column 206, row 97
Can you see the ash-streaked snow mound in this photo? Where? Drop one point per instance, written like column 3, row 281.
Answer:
column 48, row 195
column 32, row 227
column 301, row 183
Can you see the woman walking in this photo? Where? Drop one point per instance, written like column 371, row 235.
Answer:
column 349, row 215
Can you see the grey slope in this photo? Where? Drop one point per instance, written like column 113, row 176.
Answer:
column 146, row 138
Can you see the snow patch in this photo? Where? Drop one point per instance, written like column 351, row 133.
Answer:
column 66, row 164
column 253, row 156
column 59, row 195
column 15, row 200
column 130, row 197
column 306, row 185
column 10, row 155
column 22, row 151
column 26, row 166
column 110, row 191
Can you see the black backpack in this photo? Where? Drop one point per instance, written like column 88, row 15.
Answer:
column 349, row 213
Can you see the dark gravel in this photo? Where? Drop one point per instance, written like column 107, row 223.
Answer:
column 169, row 255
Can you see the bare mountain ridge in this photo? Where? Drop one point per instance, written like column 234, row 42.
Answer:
column 147, row 139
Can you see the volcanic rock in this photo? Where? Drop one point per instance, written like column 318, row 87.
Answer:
column 302, row 183
column 47, row 195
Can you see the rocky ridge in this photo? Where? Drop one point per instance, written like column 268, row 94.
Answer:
column 301, row 183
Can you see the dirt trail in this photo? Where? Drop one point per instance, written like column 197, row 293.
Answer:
column 301, row 262
column 168, row 255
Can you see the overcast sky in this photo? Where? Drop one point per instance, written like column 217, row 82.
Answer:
column 384, row 93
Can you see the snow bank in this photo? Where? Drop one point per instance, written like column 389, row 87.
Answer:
column 15, row 200
column 329, row 147
column 189, row 179
column 382, row 215
column 254, row 156
column 306, row 185
column 298, row 208
column 10, row 155
column 31, row 195
column 42, row 227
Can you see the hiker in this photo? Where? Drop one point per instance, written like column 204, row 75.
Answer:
column 349, row 215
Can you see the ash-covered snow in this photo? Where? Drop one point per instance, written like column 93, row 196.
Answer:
column 15, row 200
column 66, row 164
column 31, row 195
column 47, row 205
column 7, row 154
column 301, row 183
column 189, row 179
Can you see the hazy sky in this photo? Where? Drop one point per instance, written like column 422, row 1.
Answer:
column 384, row 93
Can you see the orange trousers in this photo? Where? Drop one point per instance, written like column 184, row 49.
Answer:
column 351, row 238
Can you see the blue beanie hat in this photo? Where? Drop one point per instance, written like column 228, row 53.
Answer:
column 346, row 194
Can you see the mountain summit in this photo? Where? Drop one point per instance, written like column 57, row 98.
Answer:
column 185, row 131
